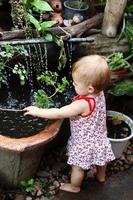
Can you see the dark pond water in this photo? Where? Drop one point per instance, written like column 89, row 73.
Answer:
column 13, row 123
column 16, row 125
column 117, row 131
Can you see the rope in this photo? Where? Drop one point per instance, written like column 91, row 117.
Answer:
column 67, row 33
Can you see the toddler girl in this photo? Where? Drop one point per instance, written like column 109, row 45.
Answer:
column 88, row 144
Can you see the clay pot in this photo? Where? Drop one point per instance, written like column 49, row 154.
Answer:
column 20, row 157
column 118, row 74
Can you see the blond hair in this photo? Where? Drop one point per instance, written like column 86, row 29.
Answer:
column 92, row 70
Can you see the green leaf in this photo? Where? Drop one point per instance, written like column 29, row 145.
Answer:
column 122, row 87
column 41, row 99
column 48, row 37
column 30, row 181
column 42, row 5
column 35, row 22
column 117, row 61
column 47, row 24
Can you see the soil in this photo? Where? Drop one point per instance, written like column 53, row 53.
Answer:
column 117, row 129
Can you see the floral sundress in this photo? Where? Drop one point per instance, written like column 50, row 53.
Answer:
column 88, row 144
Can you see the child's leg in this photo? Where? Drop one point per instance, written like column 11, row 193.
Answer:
column 77, row 176
column 101, row 173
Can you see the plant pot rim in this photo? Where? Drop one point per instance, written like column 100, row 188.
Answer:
column 119, row 72
column 31, row 142
column 127, row 120
column 76, row 9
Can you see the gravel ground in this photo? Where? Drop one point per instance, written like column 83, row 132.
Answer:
column 53, row 170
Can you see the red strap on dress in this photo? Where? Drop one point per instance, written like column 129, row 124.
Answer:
column 78, row 97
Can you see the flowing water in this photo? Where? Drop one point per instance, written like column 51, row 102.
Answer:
column 15, row 97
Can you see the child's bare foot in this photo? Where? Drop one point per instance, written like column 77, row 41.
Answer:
column 69, row 188
column 99, row 178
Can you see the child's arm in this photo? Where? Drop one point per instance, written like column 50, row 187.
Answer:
column 73, row 109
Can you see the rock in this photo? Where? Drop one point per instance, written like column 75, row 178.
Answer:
column 129, row 152
column 130, row 158
column 28, row 198
column 59, row 166
column 43, row 198
column 52, row 188
column 39, row 193
column 42, row 173
column 19, row 197
column 56, row 184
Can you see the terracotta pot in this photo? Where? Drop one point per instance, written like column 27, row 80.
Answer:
column 20, row 158
column 118, row 74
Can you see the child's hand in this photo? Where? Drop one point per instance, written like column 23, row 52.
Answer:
column 31, row 110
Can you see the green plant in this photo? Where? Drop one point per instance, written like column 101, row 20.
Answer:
column 116, row 119
column 129, row 10
column 27, row 185
column 37, row 5
column 7, row 56
column 117, row 61
column 42, row 27
column 122, row 87
column 50, row 79
column 127, row 26
column 128, row 30
column 27, row 19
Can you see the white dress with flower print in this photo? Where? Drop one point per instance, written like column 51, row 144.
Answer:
column 88, row 144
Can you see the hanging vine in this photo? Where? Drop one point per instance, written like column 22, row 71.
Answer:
column 19, row 17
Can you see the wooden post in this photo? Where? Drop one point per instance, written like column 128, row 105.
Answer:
column 112, row 16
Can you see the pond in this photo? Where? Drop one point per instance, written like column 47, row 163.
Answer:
column 13, row 122
column 14, row 97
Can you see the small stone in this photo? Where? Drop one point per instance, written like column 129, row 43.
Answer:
column 64, row 178
column 122, row 158
column 120, row 162
column 43, row 198
column 52, row 187
column 28, row 198
column 130, row 158
column 42, row 173
column 121, row 168
column 126, row 166
column 129, row 152
column 39, row 193
column 19, row 197
column 53, row 192
column 56, row 184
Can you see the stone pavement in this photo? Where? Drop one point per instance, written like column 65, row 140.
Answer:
column 117, row 187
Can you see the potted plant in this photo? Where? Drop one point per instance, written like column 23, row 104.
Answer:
column 122, row 87
column 118, row 64
column 72, row 8
column 120, row 131
column 129, row 12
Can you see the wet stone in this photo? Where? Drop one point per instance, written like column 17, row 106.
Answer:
column 19, row 197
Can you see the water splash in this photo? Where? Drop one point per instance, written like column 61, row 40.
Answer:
column 46, row 56
column 69, row 50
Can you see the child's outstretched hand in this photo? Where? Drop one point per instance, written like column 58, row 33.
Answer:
column 31, row 110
